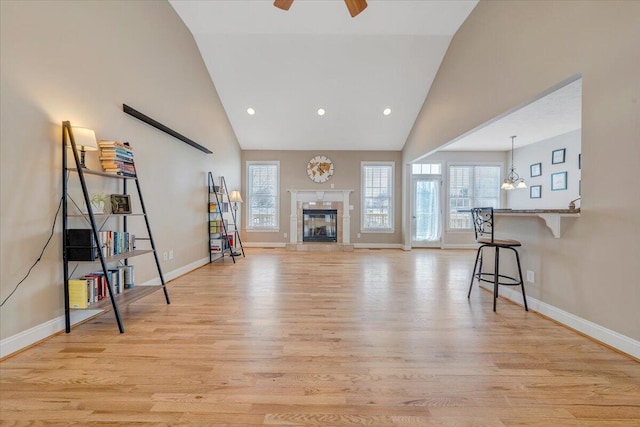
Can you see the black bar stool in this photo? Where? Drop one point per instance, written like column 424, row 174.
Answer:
column 483, row 227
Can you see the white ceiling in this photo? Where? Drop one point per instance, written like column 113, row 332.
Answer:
column 287, row 64
column 554, row 114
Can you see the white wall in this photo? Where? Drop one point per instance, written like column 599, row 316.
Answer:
column 80, row 61
column 540, row 152
column 507, row 53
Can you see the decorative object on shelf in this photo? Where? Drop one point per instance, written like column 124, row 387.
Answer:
column 558, row 181
column 98, row 202
column 513, row 180
column 120, row 204
column 535, row 192
column 535, row 169
column 572, row 204
column 557, row 156
column 320, row 169
column 85, row 140
column 236, row 198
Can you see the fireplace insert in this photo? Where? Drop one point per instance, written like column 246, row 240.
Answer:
column 319, row 225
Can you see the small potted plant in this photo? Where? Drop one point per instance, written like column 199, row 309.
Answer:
column 98, row 202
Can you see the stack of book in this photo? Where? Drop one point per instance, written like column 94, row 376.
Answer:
column 117, row 157
column 217, row 226
column 92, row 288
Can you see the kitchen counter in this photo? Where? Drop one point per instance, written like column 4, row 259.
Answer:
column 551, row 217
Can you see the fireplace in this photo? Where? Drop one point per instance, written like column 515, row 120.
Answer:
column 319, row 225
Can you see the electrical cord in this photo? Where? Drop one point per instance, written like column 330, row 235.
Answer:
column 53, row 226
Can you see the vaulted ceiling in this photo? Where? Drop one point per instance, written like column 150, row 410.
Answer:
column 286, row 65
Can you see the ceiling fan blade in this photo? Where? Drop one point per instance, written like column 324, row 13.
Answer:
column 356, row 6
column 283, row 4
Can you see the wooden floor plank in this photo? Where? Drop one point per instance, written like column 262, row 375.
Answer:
column 382, row 338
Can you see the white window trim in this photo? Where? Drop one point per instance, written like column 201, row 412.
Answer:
column 248, row 227
column 446, row 175
column 393, row 196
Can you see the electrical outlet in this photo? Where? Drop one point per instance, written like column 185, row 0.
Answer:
column 531, row 276
column 358, row 235
column 170, row 253
column 285, row 235
column 165, row 256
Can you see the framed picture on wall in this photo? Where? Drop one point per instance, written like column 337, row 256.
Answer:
column 535, row 192
column 558, row 181
column 535, row 169
column 557, row 156
column 580, row 161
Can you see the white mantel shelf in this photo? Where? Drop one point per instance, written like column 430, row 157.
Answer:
column 551, row 217
column 328, row 195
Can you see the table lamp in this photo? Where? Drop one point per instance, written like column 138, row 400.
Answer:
column 236, row 198
column 85, row 140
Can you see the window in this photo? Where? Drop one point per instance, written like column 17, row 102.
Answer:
column 263, row 194
column 426, row 169
column 471, row 186
column 377, row 197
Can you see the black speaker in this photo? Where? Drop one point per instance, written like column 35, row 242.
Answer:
column 80, row 237
column 82, row 253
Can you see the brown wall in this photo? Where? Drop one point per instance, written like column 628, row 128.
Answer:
column 346, row 175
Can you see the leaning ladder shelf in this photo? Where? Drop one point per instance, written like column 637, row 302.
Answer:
column 69, row 140
column 218, row 197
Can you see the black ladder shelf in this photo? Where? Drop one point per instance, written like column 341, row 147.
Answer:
column 69, row 140
column 218, row 196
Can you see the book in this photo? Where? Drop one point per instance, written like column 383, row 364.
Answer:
column 117, row 157
column 128, row 276
column 78, row 293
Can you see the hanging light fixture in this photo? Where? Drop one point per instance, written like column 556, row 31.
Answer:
column 513, row 179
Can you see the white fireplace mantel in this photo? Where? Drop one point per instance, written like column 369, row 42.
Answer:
column 330, row 195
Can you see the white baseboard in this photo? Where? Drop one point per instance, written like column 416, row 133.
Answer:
column 378, row 245
column 599, row 333
column 39, row 332
column 176, row 273
column 264, row 245
column 44, row 330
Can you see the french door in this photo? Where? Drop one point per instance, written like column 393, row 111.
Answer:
column 426, row 215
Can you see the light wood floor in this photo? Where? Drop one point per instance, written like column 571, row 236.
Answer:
column 373, row 337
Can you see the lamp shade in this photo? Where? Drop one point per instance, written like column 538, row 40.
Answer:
column 235, row 196
column 85, row 139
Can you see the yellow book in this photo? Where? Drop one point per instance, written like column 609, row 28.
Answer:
column 78, row 293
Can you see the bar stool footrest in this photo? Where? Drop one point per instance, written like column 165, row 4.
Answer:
column 483, row 278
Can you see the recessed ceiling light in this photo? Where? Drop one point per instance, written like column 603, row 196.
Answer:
column 251, row 111
column 386, row 111
column 321, row 111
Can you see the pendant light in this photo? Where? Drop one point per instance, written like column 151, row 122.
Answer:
column 513, row 179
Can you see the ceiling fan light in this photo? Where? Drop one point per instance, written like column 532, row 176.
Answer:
column 386, row 111
column 321, row 112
